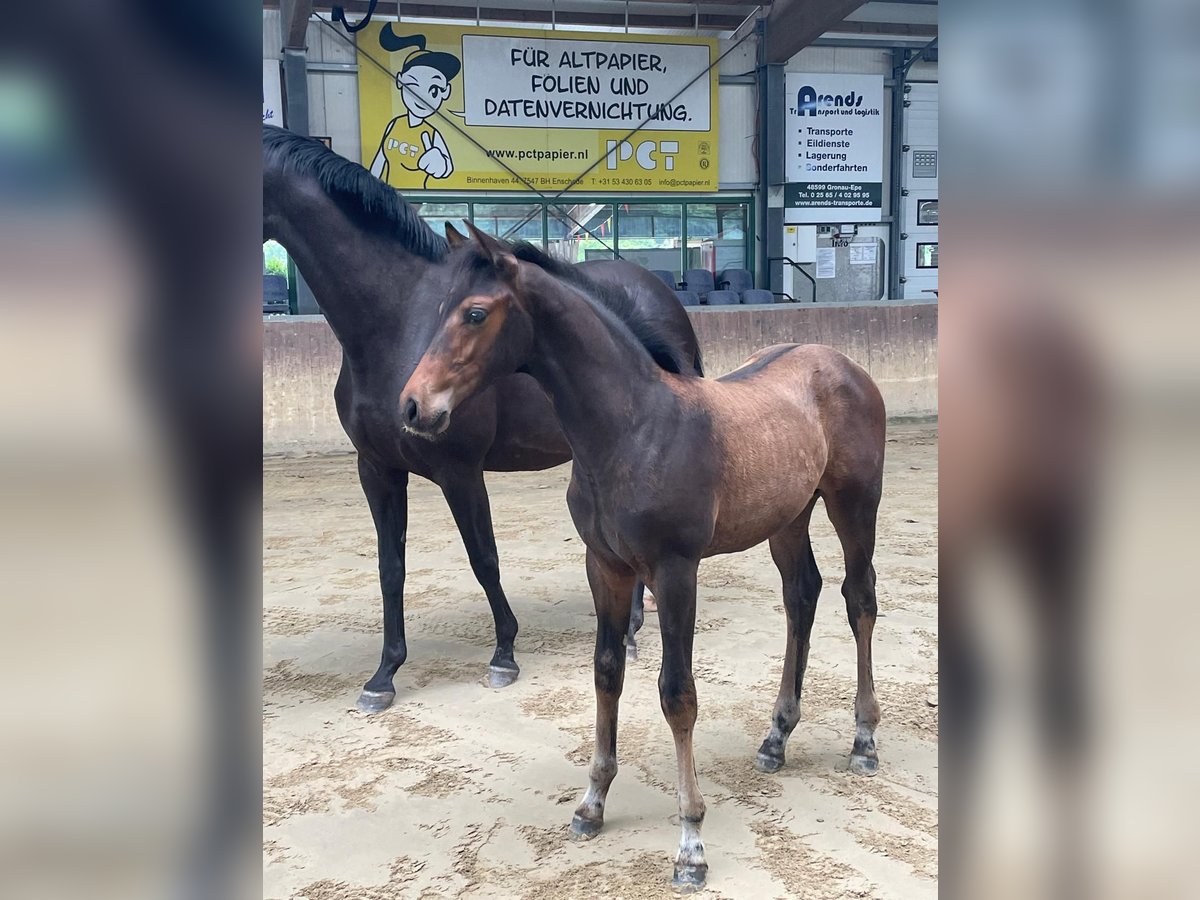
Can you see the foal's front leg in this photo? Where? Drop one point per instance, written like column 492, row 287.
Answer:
column 675, row 589
column 612, row 591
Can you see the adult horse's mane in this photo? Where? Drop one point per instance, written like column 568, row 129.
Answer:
column 614, row 304
column 358, row 193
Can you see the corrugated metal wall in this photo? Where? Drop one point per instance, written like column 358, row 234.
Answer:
column 332, row 95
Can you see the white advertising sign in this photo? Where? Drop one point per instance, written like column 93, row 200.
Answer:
column 522, row 82
column 272, row 94
column 834, row 147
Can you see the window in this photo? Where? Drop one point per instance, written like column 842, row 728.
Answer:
column 510, row 221
column 650, row 235
column 275, row 279
column 716, row 236
column 581, row 231
column 437, row 215
column 665, row 235
column 927, row 256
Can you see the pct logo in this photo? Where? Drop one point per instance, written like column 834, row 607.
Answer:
column 808, row 101
column 644, row 154
column 404, row 148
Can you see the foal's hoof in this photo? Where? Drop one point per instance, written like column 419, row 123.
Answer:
column 498, row 677
column 863, row 765
column 585, row 829
column 375, row 701
column 689, row 878
column 631, row 652
column 767, row 763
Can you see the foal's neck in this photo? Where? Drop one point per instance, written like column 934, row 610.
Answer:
column 601, row 380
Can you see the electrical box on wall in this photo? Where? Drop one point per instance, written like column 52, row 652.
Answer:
column 800, row 242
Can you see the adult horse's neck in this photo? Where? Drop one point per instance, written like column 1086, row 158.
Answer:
column 602, row 381
column 362, row 278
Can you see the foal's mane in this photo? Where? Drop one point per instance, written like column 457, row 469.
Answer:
column 613, row 304
column 358, row 193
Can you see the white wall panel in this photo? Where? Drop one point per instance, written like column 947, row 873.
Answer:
column 737, row 106
column 341, row 113
column 272, row 43
column 842, row 61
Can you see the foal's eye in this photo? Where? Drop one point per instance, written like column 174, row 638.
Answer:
column 475, row 315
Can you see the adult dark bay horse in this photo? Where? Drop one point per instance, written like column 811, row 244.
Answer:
column 671, row 468
column 363, row 249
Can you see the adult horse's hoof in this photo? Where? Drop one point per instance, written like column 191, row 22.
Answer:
column 375, row 701
column 689, row 878
column 585, row 829
column 863, row 765
column 498, row 677
column 768, row 764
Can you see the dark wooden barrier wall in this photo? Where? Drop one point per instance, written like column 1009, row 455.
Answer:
column 896, row 343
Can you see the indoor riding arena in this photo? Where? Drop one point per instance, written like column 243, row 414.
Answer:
column 461, row 790
column 636, row 198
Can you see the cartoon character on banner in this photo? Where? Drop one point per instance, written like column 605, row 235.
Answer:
column 412, row 150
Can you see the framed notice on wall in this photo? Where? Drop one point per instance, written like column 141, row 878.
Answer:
column 834, row 148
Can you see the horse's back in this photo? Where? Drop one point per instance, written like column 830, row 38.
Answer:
column 825, row 390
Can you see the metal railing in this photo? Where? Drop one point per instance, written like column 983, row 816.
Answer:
column 795, row 265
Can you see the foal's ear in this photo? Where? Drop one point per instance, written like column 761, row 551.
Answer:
column 454, row 237
column 498, row 253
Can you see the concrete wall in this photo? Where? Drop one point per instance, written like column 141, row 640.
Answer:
column 895, row 342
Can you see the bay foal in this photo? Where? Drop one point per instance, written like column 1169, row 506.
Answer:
column 671, row 468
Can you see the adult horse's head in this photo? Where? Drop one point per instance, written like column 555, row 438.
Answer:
column 485, row 331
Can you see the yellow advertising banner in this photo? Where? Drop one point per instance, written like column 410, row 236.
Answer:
column 445, row 107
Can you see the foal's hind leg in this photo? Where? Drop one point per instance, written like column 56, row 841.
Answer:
column 612, row 591
column 792, row 551
column 853, row 510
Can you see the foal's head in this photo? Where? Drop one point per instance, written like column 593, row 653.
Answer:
column 485, row 331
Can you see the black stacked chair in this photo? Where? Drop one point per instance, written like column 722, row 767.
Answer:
column 738, row 280
column 667, row 278
column 757, row 295
column 722, row 298
column 700, row 281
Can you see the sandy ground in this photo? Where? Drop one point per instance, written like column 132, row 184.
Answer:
column 462, row 791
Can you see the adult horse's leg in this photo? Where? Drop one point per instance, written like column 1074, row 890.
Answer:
column 466, row 494
column 853, row 509
column 675, row 589
column 637, row 618
column 612, row 591
column 792, row 551
column 387, row 495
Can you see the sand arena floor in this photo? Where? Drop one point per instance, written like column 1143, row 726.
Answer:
column 462, row 791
